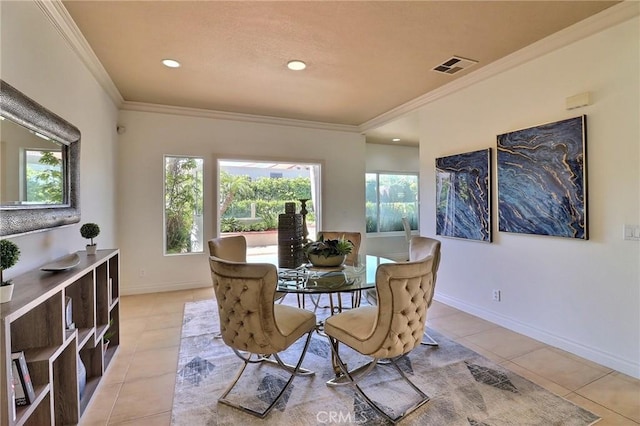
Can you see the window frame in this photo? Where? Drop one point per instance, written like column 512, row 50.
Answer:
column 164, row 205
column 378, row 173
column 317, row 182
column 24, row 171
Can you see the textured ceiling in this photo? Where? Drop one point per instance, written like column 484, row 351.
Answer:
column 364, row 57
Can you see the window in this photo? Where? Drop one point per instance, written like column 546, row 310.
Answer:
column 389, row 198
column 183, row 185
column 252, row 194
column 44, row 178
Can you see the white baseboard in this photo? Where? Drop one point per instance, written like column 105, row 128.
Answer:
column 159, row 288
column 629, row 367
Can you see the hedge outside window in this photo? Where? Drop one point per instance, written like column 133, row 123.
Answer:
column 183, row 193
column 389, row 198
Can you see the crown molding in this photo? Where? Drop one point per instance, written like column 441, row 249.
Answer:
column 59, row 17
column 580, row 30
column 234, row 116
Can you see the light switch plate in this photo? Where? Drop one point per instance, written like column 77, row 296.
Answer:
column 631, row 232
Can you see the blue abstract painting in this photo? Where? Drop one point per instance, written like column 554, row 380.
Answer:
column 463, row 203
column 542, row 180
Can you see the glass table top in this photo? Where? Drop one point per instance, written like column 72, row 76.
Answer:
column 310, row 279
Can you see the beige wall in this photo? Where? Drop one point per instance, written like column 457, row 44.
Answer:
column 38, row 62
column 579, row 295
column 150, row 136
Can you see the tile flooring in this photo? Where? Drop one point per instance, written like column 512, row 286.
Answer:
column 138, row 386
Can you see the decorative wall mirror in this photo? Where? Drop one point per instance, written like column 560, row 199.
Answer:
column 39, row 166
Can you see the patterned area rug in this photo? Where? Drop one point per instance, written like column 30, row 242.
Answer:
column 464, row 387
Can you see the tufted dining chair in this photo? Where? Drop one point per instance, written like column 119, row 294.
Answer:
column 419, row 248
column 253, row 326
column 387, row 331
column 233, row 248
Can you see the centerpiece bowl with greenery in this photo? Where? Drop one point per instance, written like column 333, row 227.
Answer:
column 328, row 253
column 90, row 231
column 9, row 255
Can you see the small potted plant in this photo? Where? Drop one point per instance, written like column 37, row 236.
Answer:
column 328, row 253
column 106, row 338
column 90, row 231
column 9, row 255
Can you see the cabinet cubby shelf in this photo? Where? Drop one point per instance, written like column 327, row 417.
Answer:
column 90, row 388
column 34, row 323
column 84, row 336
column 24, row 412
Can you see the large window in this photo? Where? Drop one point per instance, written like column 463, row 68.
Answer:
column 252, row 195
column 183, row 184
column 390, row 197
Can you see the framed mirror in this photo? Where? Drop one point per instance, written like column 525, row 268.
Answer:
column 39, row 166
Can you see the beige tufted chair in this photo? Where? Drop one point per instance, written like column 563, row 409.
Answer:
column 252, row 325
column 387, row 331
column 419, row 248
column 232, row 248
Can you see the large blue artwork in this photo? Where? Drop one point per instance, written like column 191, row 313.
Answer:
column 542, row 180
column 463, row 200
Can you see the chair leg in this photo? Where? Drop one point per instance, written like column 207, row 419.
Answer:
column 428, row 340
column 294, row 371
column 291, row 368
column 353, row 378
column 356, row 299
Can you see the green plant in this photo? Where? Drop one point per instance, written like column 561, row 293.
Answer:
column 229, row 224
column 90, row 231
column 183, row 204
column 109, row 333
column 327, row 248
column 9, row 255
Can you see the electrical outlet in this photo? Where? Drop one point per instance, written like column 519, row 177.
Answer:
column 496, row 295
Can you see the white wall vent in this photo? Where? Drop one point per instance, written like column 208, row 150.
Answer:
column 455, row 64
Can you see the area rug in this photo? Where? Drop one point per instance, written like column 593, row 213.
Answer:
column 464, row 387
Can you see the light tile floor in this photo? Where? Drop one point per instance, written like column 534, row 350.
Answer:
column 138, row 386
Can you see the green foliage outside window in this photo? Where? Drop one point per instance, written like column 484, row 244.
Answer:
column 183, row 205
column 45, row 182
column 239, row 192
column 389, row 198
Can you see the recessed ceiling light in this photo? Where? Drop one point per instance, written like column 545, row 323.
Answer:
column 296, row 65
column 396, row 139
column 171, row 63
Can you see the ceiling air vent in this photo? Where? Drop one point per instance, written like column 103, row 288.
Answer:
column 455, row 64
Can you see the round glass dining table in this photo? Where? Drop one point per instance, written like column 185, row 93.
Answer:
column 310, row 280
